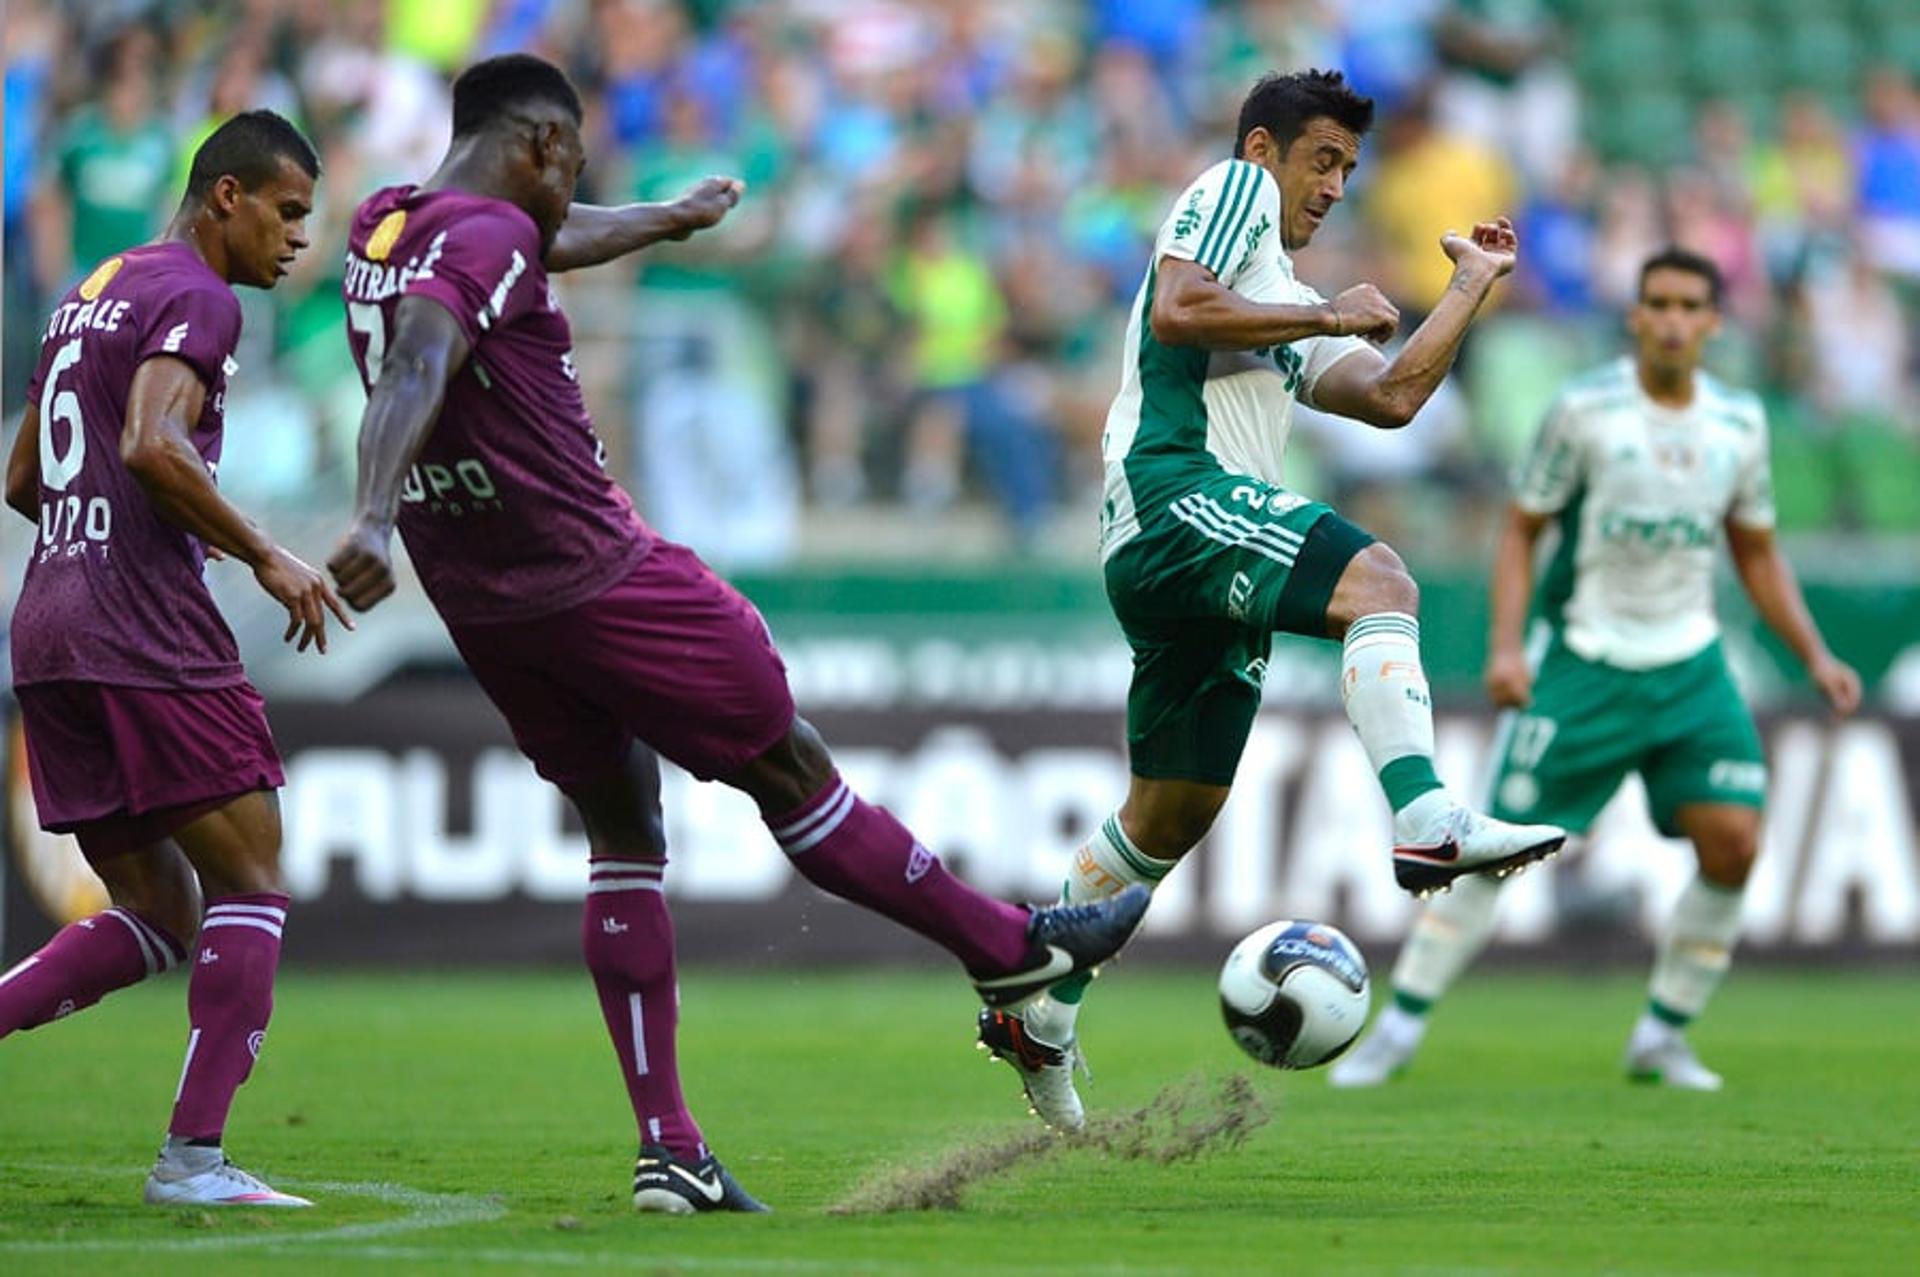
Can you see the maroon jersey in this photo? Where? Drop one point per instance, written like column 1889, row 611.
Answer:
column 508, row 513
column 113, row 592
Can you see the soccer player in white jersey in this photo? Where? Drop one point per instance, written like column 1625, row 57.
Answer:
column 1641, row 465
column 1206, row 553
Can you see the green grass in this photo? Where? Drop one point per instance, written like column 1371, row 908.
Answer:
column 491, row 1107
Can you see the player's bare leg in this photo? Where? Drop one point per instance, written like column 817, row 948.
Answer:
column 1384, row 688
column 235, row 852
column 626, row 936
column 1697, row 946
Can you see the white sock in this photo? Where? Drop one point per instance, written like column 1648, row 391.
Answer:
column 1107, row 864
column 1695, row 952
column 1384, row 690
column 1446, row 937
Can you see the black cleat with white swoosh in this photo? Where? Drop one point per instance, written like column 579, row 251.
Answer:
column 672, row 1185
column 1064, row 940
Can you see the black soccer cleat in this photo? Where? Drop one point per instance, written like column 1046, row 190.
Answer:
column 669, row 1185
column 1065, row 940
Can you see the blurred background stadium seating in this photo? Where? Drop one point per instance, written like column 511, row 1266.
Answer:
column 875, row 397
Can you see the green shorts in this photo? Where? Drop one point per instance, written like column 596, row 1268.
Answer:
column 1220, row 563
column 1683, row 727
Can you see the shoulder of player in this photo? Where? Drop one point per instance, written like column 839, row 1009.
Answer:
column 1732, row 405
column 1597, row 389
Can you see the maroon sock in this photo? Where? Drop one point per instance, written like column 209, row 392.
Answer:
column 229, row 1000
column 627, row 936
column 861, row 853
column 84, row 962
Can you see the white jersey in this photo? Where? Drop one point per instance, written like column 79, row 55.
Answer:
column 1642, row 492
column 1230, row 409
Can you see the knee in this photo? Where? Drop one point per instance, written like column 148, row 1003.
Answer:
column 1727, row 861
column 1375, row 581
column 789, row 773
column 1168, row 831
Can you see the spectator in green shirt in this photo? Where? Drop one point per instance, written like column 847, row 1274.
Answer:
column 112, row 168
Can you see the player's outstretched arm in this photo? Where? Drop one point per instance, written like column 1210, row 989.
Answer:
column 1191, row 307
column 1509, row 679
column 593, row 234
column 1387, row 393
column 23, row 467
column 1770, row 582
column 427, row 349
column 157, row 449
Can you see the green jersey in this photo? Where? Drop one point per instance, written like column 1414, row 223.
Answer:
column 117, row 181
column 1181, row 408
column 1641, row 493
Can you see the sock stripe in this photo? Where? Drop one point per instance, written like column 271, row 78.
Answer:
column 1362, row 630
column 193, row 1044
column 603, row 886
column 269, row 912
column 831, row 817
column 634, row 1010
column 795, row 828
column 1137, row 860
column 262, row 924
column 20, row 968
column 166, row 946
column 153, row 960
column 626, row 868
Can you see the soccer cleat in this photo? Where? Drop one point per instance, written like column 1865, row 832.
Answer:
column 1380, row 1057
column 1667, row 1060
column 669, row 1185
column 1046, row 1071
column 1463, row 841
column 1064, row 940
column 194, row 1176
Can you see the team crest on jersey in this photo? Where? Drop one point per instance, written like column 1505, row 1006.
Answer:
column 386, row 235
column 102, row 276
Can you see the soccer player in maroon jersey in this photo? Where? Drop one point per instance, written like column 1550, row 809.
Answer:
column 599, row 641
column 143, row 735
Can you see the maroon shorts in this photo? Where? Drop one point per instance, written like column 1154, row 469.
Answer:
column 671, row 655
column 124, row 767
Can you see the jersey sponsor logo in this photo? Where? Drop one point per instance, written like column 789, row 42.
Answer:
column 1255, row 233
column 1669, row 532
column 1239, row 594
column 1189, row 219
column 370, row 281
column 385, row 235
column 103, row 274
column 228, row 367
column 463, row 488
column 72, row 318
column 918, row 863
column 1738, row 774
column 497, row 303
column 176, row 337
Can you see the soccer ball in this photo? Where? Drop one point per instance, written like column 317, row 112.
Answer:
column 1294, row 994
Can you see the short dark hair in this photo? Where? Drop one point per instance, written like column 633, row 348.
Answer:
column 489, row 91
column 1282, row 105
column 249, row 147
column 1676, row 258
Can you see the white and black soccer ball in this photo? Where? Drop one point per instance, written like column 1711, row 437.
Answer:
column 1294, row 994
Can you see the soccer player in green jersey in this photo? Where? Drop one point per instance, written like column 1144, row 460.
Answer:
column 1206, row 553
column 1641, row 465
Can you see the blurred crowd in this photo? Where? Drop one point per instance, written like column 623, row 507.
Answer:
column 920, row 304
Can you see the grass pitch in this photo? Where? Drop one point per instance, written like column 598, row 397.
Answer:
column 468, row 1123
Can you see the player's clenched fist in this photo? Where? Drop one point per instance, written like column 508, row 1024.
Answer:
column 362, row 565
column 1364, row 311
column 706, row 202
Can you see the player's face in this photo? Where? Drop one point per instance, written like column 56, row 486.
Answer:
column 559, row 157
column 1673, row 320
column 266, row 228
column 1312, row 175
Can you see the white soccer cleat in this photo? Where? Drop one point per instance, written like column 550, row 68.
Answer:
column 1666, row 1059
column 204, row 1177
column 1462, row 841
column 1046, row 1071
column 1379, row 1057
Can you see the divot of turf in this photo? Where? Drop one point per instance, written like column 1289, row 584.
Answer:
column 1185, row 1120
